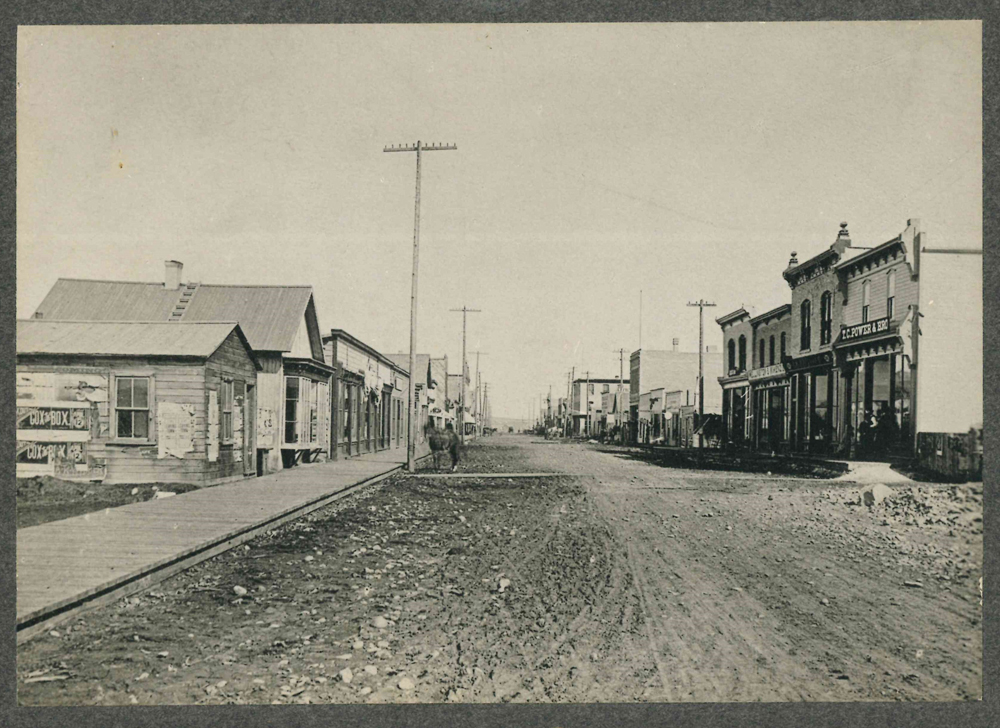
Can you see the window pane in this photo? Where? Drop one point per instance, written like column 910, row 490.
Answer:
column 124, row 392
column 290, row 431
column 292, row 388
column 124, row 422
column 140, row 424
column 140, row 392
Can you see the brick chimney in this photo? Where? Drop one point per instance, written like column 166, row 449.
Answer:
column 172, row 275
column 843, row 241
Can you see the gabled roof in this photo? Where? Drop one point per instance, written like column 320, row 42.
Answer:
column 270, row 316
column 124, row 338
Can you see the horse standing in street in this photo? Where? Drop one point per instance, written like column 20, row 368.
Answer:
column 443, row 441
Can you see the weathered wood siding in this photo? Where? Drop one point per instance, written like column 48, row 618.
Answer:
column 230, row 361
column 173, row 381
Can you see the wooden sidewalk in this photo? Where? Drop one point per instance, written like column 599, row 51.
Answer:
column 64, row 567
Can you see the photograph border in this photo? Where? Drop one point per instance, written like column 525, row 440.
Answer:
column 149, row 12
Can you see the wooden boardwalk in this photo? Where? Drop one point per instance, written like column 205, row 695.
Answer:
column 69, row 565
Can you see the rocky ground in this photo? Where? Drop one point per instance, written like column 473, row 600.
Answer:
column 611, row 580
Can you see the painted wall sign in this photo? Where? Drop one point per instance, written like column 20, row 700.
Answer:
column 775, row 370
column 175, row 425
column 54, row 417
column 869, row 328
column 72, row 387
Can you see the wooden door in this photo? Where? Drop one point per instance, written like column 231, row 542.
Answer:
column 250, row 431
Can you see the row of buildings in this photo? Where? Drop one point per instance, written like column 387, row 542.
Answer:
column 187, row 382
column 658, row 403
column 877, row 355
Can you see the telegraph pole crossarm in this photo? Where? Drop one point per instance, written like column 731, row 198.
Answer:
column 411, row 464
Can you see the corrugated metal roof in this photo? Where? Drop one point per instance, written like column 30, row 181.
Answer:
column 270, row 316
column 121, row 338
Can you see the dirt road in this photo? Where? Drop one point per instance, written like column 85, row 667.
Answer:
column 621, row 581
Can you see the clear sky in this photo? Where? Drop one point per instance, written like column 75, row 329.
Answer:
column 686, row 160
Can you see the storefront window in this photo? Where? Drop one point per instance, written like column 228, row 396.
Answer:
column 902, row 399
column 346, row 409
column 821, row 408
column 291, row 409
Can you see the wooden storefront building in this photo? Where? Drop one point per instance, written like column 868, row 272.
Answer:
column 370, row 394
column 293, row 392
column 135, row 402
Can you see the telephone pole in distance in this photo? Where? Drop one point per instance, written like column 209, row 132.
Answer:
column 461, row 409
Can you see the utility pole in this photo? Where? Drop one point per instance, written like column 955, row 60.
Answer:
column 573, row 380
column 479, row 419
column 621, row 390
column 411, row 465
column 461, row 409
column 701, row 304
column 587, row 391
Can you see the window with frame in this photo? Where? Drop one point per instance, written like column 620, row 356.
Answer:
column 346, row 409
column 866, row 296
column 226, row 409
column 771, row 351
column 783, row 346
column 743, row 352
column 132, row 410
column 760, row 352
column 826, row 318
column 890, row 300
column 805, row 324
column 732, row 354
column 292, row 409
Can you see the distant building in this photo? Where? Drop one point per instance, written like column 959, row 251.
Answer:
column 674, row 371
column 586, row 404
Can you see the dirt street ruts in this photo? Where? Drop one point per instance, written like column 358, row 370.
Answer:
column 615, row 580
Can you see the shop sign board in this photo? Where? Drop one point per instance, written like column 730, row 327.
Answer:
column 808, row 362
column 775, row 370
column 869, row 328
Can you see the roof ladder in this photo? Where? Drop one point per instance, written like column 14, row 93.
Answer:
column 187, row 293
